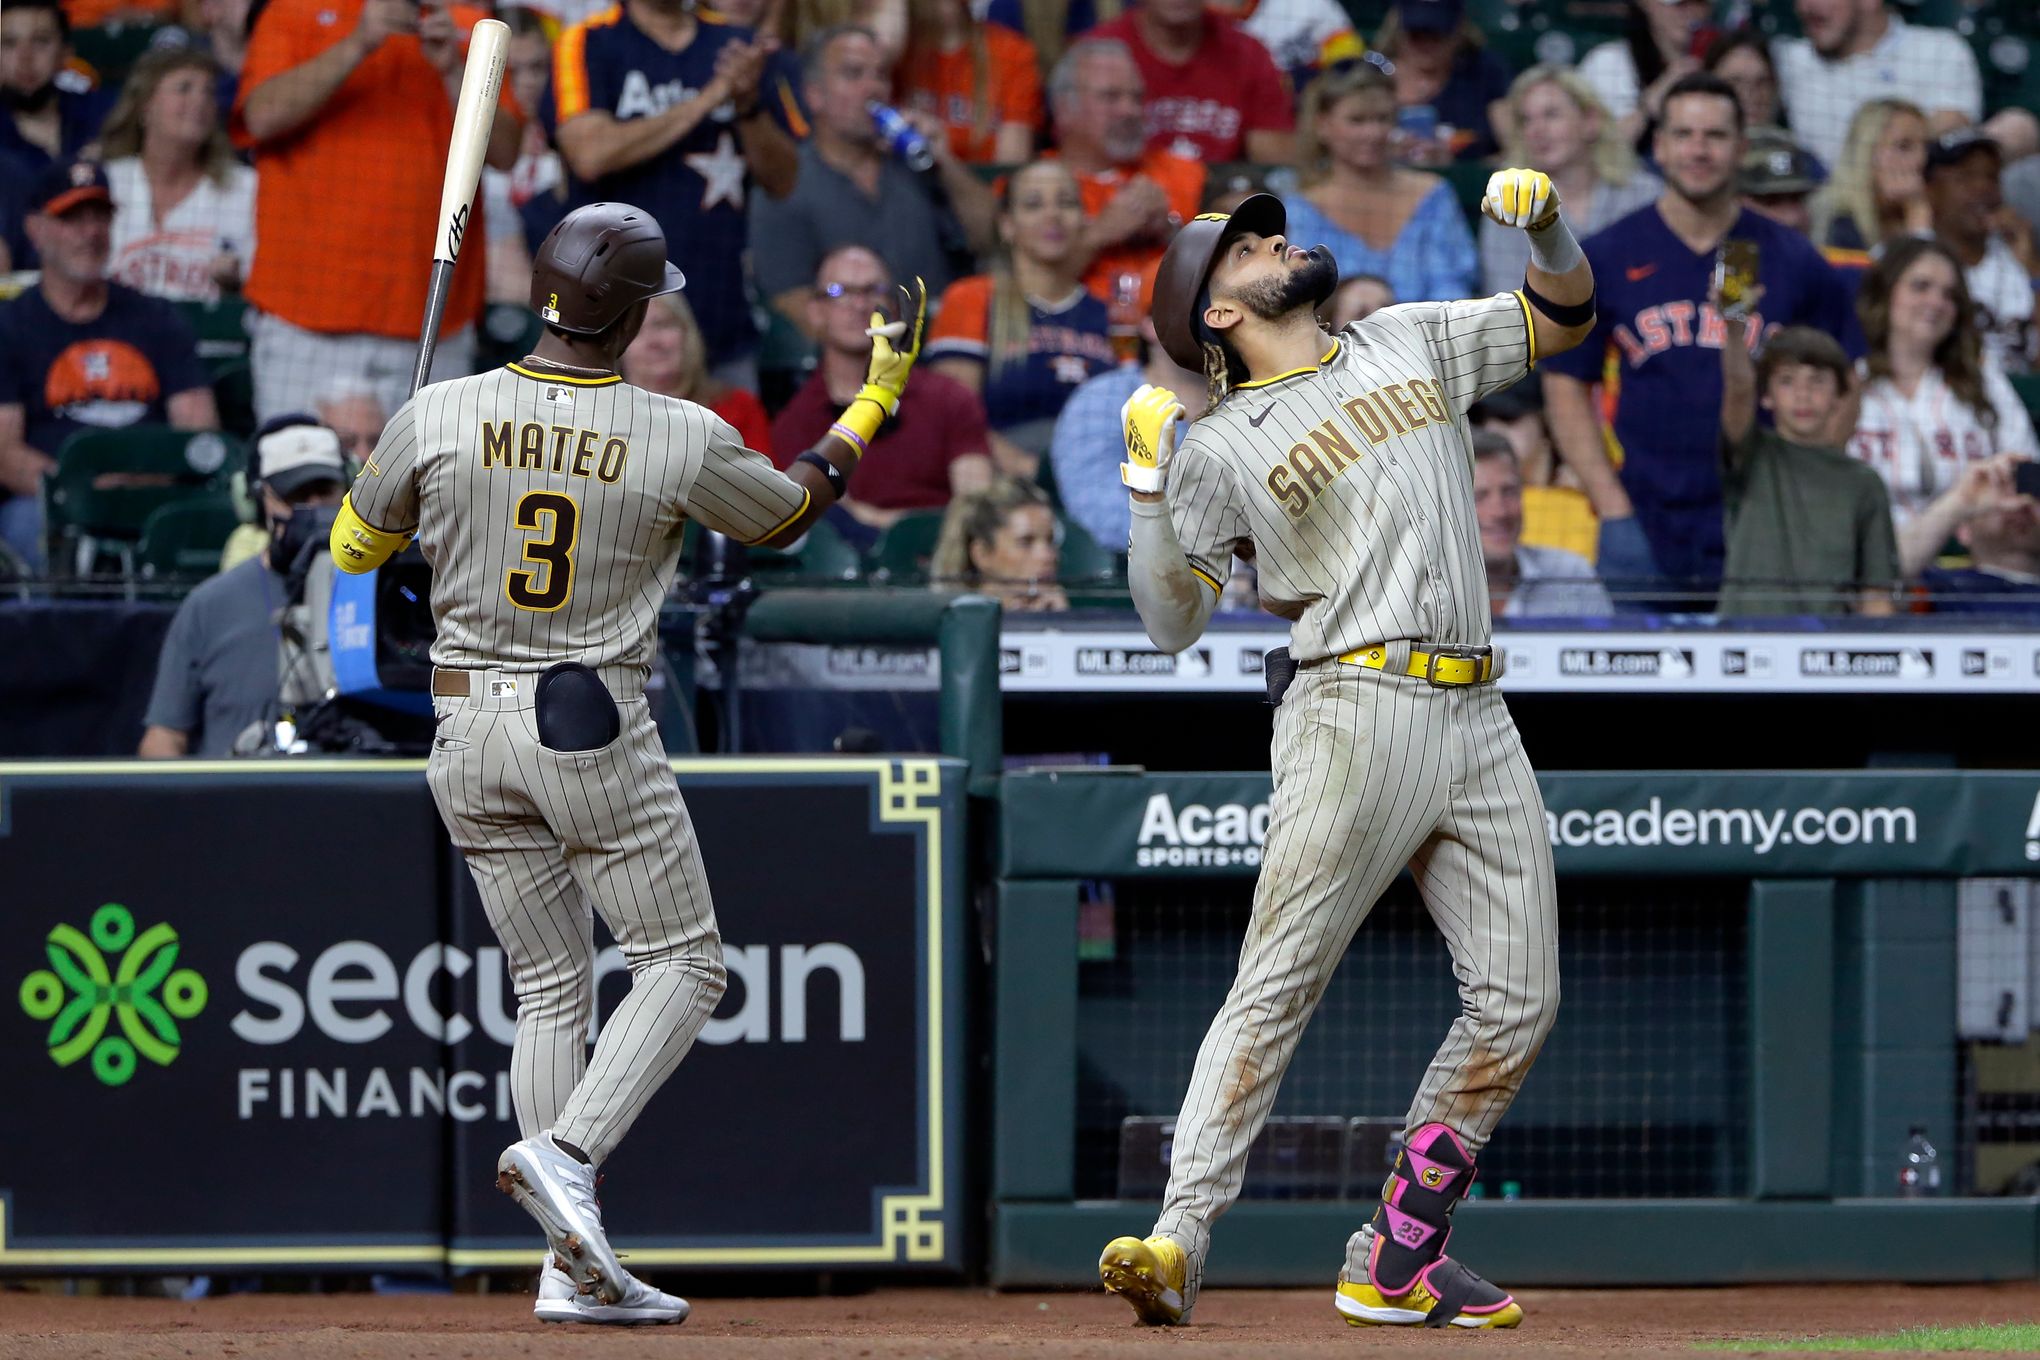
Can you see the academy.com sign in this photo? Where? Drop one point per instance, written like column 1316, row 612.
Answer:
column 1759, row 830
column 1231, row 834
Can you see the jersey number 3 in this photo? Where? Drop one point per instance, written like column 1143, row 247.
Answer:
column 550, row 580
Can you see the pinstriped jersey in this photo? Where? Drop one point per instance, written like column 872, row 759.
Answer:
column 551, row 508
column 1353, row 481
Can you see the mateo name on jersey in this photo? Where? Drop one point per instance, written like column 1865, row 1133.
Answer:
column 1381, row 415
column 573, row 452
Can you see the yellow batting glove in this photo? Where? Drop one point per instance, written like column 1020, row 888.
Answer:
column 1150, row 416
column 895, row 345
column 1525, row 199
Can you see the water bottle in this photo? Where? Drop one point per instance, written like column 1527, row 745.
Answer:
column 900, row 136
column 1919, row 1170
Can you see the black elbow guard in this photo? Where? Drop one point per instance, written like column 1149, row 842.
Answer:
column 1563, row 314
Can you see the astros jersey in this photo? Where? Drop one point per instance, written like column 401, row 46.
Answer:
column 697, row 188
column 1658, row 344
column 551, row 509
column 1353, row 481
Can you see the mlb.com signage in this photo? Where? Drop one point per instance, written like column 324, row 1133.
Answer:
column 259, row 1011
column 1850, row 823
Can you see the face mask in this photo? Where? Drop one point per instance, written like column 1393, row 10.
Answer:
column 308, row 527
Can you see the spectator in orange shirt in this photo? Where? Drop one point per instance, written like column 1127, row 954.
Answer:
column 1134, row 199
column 348, row 105
column 979, row 80
column 669, row 357
column 1213, row 93
column 1025, row 335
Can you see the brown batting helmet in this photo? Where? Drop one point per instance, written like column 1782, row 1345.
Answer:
column 598, row 263
column 1179, row 301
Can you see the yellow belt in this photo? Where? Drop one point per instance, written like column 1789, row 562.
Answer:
column 1448, row 666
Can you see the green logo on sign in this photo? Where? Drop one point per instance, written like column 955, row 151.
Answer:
column 78, row 993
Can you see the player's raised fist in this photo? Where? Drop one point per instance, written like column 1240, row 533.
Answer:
column 895, row 345
column 1150, row 415
column 1520, row 198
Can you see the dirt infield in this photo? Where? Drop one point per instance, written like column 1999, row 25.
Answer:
column 970, row 1323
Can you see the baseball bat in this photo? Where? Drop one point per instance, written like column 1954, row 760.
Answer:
column 473, row 117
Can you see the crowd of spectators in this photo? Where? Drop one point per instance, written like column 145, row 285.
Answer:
column 1842, row 439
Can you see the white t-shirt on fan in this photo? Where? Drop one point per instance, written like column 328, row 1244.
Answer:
column 174, row 258
column 1920, row 444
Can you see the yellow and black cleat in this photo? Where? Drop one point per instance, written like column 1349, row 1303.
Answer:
column 1364, row 1305
column 1147, row 1274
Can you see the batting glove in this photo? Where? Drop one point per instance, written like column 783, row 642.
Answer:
column 1150, row 416
column 895, row 345
column 1525, row 199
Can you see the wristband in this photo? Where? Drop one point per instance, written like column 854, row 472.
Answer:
column 838, row 481
column 1564, row 313
column 1553, row 247
column 861, row 419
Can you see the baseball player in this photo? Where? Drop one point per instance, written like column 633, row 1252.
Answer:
column 1342, row 466
column 550, row 498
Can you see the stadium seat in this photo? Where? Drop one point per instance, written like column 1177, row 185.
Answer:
column 824, row 555
column 222, row 329
column 904, row 551
column 1081, row 558
column 108, row 482
column 184, row 538
column 2027, row 385
column 506, row 333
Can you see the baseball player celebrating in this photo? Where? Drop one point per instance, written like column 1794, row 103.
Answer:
column 1341, row 464
column 550, row 498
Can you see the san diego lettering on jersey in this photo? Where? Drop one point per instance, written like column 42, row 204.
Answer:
column 1378, row 416
column 573, row 451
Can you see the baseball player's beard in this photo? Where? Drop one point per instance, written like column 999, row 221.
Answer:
column 1306, row 287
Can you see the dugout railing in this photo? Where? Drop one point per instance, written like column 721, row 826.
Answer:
column 1762, row 997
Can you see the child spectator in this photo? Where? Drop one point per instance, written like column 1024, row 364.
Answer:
column 669, row 357
column 1024, row 336
column 1808, row 527
column 1002, row 541
column 979, row 80
column 184, row 219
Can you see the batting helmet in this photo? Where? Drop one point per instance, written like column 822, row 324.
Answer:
column 1180, row 297
column 598, row 263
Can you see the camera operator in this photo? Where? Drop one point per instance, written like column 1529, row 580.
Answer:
column 223, row 661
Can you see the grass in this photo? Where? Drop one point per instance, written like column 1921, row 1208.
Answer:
column 1982, row 1336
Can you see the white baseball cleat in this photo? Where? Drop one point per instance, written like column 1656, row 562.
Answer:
column 559, row 1191
column 559, row 1301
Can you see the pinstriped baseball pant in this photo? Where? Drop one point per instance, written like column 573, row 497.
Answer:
column 1374, row 772
column 551, row 838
